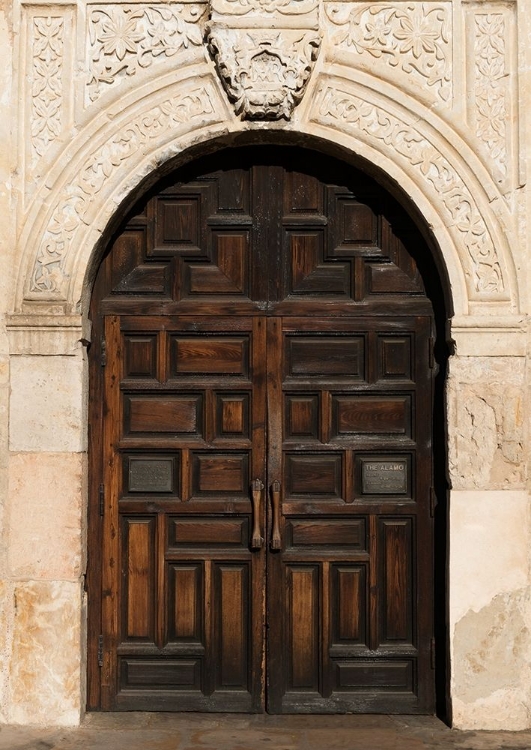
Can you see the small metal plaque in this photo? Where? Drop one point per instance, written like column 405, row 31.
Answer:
column 384, row 477
column 150, row 474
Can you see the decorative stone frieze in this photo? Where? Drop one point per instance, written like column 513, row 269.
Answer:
column 491, row 83
column 46, row 79
column 408, row 40
column 264, row 52
column 125, row 39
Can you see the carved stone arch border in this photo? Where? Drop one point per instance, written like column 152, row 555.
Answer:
column 438, row 171
column 112, row 155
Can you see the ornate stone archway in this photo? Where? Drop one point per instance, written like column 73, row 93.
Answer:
column 390, row 86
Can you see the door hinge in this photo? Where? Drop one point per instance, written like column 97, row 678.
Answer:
column 432, row 653
column 431, row 352
column 102, row 498
column 103, row 360
column 433, row 502
column 100, row 651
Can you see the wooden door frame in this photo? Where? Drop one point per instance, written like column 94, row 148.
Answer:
column 439, row 294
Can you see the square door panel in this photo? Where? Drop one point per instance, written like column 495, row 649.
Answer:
column 316, row 476
column 395, row 357
column 232, row 416
column 220, row 475
column 301, row 417
column 140, row 356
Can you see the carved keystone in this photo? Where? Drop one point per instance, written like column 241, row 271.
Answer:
column 264, row 52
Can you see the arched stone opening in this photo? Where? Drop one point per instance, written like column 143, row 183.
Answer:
column 424, row 250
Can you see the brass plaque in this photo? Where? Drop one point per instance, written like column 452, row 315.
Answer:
column 150, row 474
column 384, row 477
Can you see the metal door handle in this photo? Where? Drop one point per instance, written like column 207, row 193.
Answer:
column 257, row 540
column 276, row 541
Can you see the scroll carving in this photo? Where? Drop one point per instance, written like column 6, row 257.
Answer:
column 48, row 38
column 49, row 273
column 264, row 52
column 491, row 88
column 404, row 139
column 124, row 39
column 413, row 38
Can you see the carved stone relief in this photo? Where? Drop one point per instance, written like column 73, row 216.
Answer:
column 46, row 78
column 349, row 112
column 125, row 39
column 490, row 85
column 49, row 274
column 409, row 39
column 48, row 41
column 264, row 52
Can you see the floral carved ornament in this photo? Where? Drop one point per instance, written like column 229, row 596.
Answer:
column 127, row 38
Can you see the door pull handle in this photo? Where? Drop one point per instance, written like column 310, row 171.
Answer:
column 257, row 540
column 276, row 541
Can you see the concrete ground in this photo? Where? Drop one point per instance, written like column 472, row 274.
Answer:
column 143, row 731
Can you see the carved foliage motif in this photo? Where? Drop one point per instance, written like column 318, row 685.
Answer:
column 491, row 87
column 462, row 211
column 46, row 81
column 287, row 7
column 72, row 208
column 414, row 38
column 264, row 72
column 124, row 39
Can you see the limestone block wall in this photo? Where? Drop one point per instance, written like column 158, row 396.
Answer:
column 96, row 97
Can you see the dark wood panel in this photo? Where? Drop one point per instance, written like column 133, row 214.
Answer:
column 303, row 633
column 348, row 599
column 140, row 356
column 208, row 532
column 392, row 676
column 313, row 475
column 397, row 582
column 330, row 532
column 302, row 417
column 326, row 356
column 179, row 415
column 185, row 603
column 373, row 415
column 212, row 356
column 139, row 562
column 220, row 475
column 232, row 628
column 158, row 674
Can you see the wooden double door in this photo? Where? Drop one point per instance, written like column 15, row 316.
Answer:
column 261, row 435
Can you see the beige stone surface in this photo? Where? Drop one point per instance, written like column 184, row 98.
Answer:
column 45, row 674
column 6, row 630
column 486, row 410
column 45, row 525
column 47, row 404
column 490, row 608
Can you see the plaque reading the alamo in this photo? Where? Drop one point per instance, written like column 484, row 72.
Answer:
column 384, row 477
column 150, row 475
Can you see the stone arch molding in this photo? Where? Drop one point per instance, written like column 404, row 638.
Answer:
column 130, row 139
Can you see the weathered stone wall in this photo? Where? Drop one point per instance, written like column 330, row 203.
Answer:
column 97, row 96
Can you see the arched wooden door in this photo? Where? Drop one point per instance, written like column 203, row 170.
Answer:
column 261, row 447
